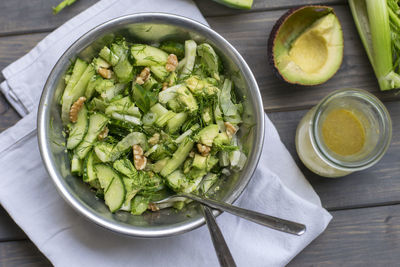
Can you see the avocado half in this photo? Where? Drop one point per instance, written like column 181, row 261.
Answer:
column 306, row 45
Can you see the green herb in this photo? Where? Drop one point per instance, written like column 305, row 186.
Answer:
column 144, row 99
column 62, row 5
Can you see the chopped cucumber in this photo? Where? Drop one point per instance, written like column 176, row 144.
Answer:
column 134, row 138
column 190, row 57
column 176, row 122
column 146, row 55
column 178, row 157
column 115, row 194
column 69, row 95
column 173, row 47
column 207, row 134
column 89, row 173
column 97, row 122
column 125, row 167
column 78, row 129
column 76, row 165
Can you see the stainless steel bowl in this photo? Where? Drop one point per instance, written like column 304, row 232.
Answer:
column 149, row 28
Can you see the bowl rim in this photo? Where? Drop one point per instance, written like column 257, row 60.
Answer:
column 44, row 116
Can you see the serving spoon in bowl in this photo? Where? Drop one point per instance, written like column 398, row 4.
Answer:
column 260, row 218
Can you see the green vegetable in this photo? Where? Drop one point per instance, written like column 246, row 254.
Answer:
column 378, row 24
column 70, row 95
column 97, row 122
column 62, row 5
column 240, row 4
column 146, row 55
column 190, row 57
column 199, row 162
column 78, row 129
column 210, row 59
column 207, row 134
column 178, row 157
column 117, row 116
column 144, row 99
column 173, row 47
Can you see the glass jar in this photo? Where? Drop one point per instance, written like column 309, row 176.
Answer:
column 373, row 118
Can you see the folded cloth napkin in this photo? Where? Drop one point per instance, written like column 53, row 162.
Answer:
column 277, row 188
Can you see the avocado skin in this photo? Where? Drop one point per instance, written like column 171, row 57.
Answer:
column 274, row 33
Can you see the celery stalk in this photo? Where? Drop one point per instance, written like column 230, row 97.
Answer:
column 373, row 24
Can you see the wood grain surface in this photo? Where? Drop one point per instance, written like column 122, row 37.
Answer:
column 365, row 206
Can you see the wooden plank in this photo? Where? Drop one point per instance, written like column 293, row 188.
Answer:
column 375, row 186
column 210, row 8
column 378, row 185
column 9, row 230
column 21, row 16
column 21, row 253
column 354, row 237
column 357, row 237
column 249, row 34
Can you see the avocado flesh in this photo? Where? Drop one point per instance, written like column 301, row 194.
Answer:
column 240, row 4
column 315, row 55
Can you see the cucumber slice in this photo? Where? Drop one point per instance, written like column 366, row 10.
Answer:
column 78, row 129
column 134, row 138
column 76, row 165
column 114, row 189
column 97, row 122
column 103, row 151
column 72, row 95
column 89, row 173
column 105, row 174
column 178, row 157
column 146, row 55
column 77, row 72
column 114, row 196
column 190, row 57
column 159, row 72
column 173, row 47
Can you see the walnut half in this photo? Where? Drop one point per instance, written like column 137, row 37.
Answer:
column 172, row 63
column 203, row 149
column 230, row 129
column 143, row 76
column 139, row 159
column 74, row 110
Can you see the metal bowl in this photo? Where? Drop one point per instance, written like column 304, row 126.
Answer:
column 149, row 28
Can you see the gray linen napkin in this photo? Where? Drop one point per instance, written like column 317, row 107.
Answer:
column 27, row 193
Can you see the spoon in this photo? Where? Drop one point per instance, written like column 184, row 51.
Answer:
column 221, row 248
column 263, row 219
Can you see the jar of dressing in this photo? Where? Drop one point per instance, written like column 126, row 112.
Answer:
column 349, row 130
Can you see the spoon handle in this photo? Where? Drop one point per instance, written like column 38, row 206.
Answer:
column 263, row 219
column 221, row 248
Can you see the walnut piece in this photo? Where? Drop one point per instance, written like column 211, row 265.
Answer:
column 154, row 139
column 143, row 76
column 191, row 154
column 105, row 73
column 103, row 134
column 164, row 86
column 73, row 112
column 230, row 129
column 139, row 159
column 172, row 63
column 203, row 149
column 153, row 207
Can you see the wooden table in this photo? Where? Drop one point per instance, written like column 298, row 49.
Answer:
column 365, row 205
